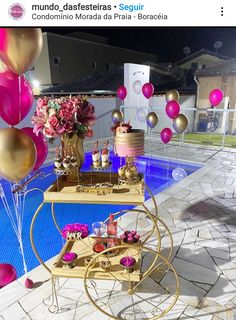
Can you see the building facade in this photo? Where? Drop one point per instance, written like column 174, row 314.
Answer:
column 72, row 57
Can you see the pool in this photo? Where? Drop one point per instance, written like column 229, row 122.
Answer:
column 47, row 239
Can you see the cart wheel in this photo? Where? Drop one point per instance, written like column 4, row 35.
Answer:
column 147, row 291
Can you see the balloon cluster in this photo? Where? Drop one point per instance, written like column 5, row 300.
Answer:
column 180, row 121
column 142, row 115
column 21, row 151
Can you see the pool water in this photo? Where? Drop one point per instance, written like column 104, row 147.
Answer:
column 47, row 239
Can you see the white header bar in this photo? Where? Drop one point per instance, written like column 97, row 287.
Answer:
column 143, row 13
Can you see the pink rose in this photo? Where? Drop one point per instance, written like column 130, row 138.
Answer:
column 40, row 103
column 38, row 128
column 67, row 111
column 49, row 132
column 53, row 121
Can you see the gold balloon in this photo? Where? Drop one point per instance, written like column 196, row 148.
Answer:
column 180, row 123
column 17, row 154
column 172, row 95
column 20, row 48
column 152, row 119
column 117, row 116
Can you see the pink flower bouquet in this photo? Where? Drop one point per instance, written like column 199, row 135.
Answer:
column 64, row 115
column 75, row 231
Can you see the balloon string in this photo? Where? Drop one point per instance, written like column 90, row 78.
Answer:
column 15, row 217
column 23, row 256
column 168, row 164
column 8, row 211
column 7, row 208
column 180, row 145
column 17, row 208
column 23, row 209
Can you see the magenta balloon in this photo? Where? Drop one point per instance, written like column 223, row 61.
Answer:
column 16, row 97
column 147, row 90
column 40, row 144
column 166, row 135
column 7, row 274
column 215, row 97
column 172, row 109
column 122, row 92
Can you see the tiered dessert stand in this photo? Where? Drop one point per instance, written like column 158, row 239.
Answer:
column 146, row 289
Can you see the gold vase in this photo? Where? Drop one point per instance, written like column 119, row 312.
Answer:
column 76, row 144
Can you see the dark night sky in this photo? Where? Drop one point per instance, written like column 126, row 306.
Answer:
column 166, row 43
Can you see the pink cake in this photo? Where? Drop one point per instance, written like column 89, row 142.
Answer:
column 130, row 144
column 129, row 151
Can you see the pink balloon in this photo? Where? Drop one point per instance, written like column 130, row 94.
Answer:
column 7, row 274
column 16, row 97
column 215, row 97
column 122, row 92
column 166, row 135
column 148, row 90
column 40, row 144
column 172, row 109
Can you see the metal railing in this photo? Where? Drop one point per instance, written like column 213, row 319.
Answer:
column 209, row 126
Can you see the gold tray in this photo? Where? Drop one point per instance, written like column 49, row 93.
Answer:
column 83, row 248
column 63, row 191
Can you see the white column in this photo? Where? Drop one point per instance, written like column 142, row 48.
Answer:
column 132, row 102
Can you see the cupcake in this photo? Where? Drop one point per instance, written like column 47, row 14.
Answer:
column 130, row 240
column 57, row 162
column 105, row 157
column 130, row 237
column 105, row 154
column 96, row 156
column 96, row 164
column 73, row 161
column 66, row 163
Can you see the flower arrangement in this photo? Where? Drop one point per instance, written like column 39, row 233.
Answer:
column 64, row 115
column 127, row 262
column 69, row 257
column 75, row 231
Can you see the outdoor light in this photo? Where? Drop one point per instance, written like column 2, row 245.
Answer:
column 35, row 83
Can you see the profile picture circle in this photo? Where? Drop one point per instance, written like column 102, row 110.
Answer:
column 16, row 11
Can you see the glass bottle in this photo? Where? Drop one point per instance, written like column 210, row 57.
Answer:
column 111, row 231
